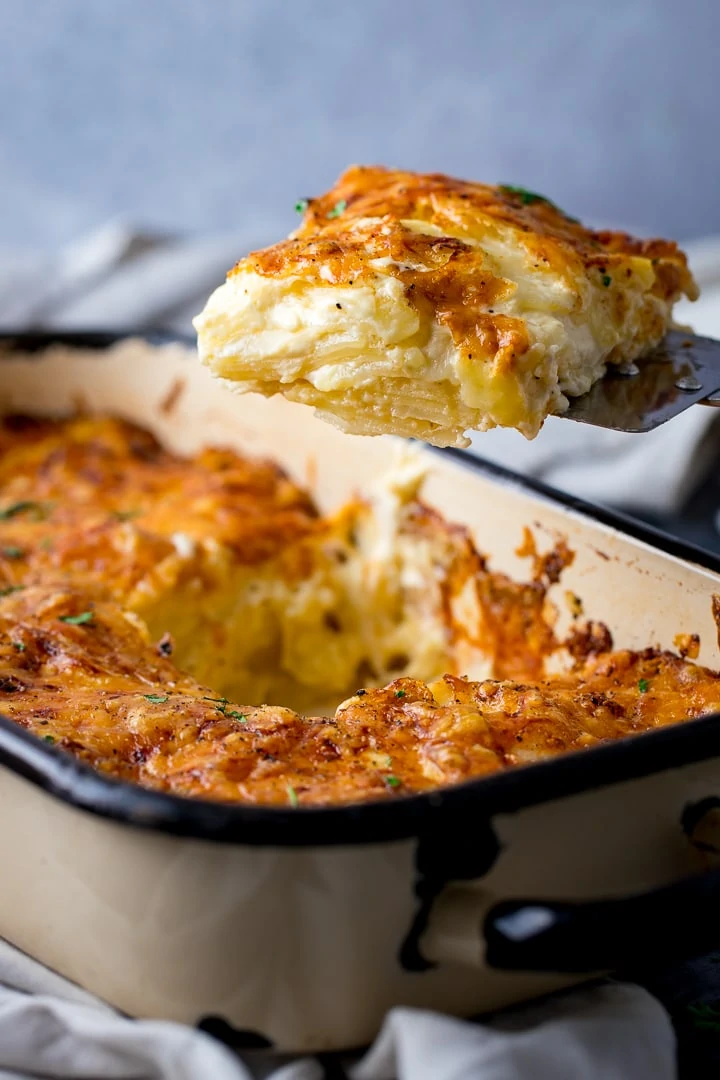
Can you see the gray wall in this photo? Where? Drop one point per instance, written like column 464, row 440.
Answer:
column 206, row 115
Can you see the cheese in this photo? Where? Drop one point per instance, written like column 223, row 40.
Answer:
column 431, row 307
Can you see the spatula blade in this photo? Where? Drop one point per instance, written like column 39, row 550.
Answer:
column 682, row 371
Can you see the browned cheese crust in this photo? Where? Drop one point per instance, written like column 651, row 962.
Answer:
column 423, row 305
column 107, row 631
column 100, row 691
column 333, row 235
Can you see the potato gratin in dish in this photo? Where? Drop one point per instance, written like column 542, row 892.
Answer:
column 191, row 624
column 425, row 306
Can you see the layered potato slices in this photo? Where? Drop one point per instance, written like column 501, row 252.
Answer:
column 424, row 306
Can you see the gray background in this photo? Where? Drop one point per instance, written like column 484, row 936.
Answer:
column 212, row 115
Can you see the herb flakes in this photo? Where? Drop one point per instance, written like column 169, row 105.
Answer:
column 38, row 510
column 13, row 552
column 125, row 515
column 643, row 686
column 339, row 208
column 301, row 206
column 156, row 699
column 399, row 693
column 82, row 619
column 292, row 796
column 240, row 717
column 392, row 781
column 606, row 280
column 220, row 704
column 527, row 198
column 8, row 589
column 704, row 1016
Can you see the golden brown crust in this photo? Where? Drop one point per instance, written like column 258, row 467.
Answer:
column 263, row 599
column 98, row 690
column 336, row 242
column 332, row 235
column 100, row 496
column 79, row 667
column 424, row 306
column 97, row 504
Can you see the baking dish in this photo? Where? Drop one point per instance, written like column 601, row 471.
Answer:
column 301, row 927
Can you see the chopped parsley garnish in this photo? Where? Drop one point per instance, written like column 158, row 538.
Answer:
column 399, row 693
column 527, row 198
column 388, row 762
column 301, row 206
column 19, row 645
column 82, row 619
column 156, row 699
column 13, row 552
column 292, row 795
column 339, row 207
column 17, row 508
column 704, row 1016
column 392, row 781
column 38, row 510
column 220, row 704
column 48, row 739
column 606, row 280
column 125, row 515
column 643, row 686
column 11, row 589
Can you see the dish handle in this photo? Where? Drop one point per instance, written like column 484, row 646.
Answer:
column 675, row 921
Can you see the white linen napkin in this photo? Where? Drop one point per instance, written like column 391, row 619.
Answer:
column 51, row 1029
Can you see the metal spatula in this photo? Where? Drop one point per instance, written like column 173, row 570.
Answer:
column 682, row 371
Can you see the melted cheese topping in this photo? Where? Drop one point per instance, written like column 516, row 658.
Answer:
column 425, row 306
column 100, row 691
column 265, row 600
column 151, row 606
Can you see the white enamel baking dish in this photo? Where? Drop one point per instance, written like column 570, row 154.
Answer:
column 300, row 928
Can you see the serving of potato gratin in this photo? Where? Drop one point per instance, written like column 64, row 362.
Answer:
column 196, row 626
column 428, row 307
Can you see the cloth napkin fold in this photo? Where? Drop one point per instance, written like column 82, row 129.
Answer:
column 123, row 278
column 51, row 1029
